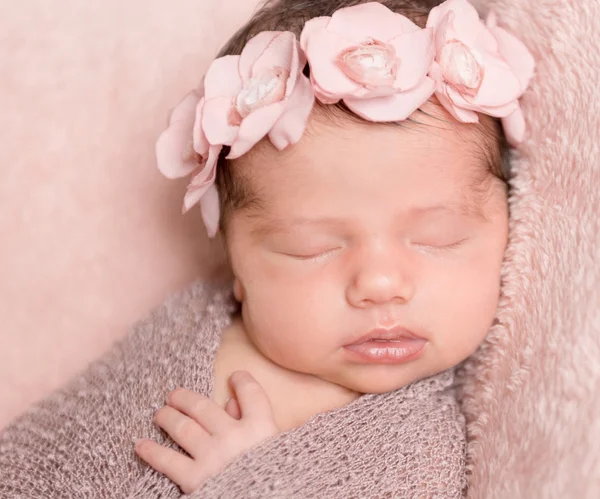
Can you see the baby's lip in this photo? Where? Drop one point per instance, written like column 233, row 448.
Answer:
column 396, row 333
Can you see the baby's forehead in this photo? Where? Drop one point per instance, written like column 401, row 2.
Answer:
column 429, row 153
column 427, row 143
column 330, row 171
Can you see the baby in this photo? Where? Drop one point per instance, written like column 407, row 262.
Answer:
column 351, row 155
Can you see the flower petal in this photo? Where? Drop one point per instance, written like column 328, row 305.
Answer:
column 281, row 52
column 186, row 108
column 499, row 85
column 175, row 155
column 501, row 111
column 459, row 113
column 215, row 121
column 514, row 127
column 252, row 52
column 297, row 67
column 407, row 25
column 209, row 205
column 201, row 144
column 190, row 199
column 435, row 72
column 323, row 96
column 443, row 33
column 312, row 25
column 366, row 21
column 291, row 125
column 206, row 173
column 254, row 128
column 466, row 102
column 223, row 78
column 201, row 182
column 416, row 52
column 465, row 20
column 516, row 55
column 485, row 41
column 374, row 93
column 322, row 52
column 492, row 20
column 396, row 107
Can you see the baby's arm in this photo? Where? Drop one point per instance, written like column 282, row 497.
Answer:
column 212, row 436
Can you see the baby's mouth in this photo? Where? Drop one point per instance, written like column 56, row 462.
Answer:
column 387, row 346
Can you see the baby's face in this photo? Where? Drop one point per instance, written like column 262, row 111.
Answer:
column 368, row 227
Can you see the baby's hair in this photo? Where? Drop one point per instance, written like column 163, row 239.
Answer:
column 235, row 191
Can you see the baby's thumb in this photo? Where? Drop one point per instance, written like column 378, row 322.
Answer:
column 251, row 397
column 233, row 408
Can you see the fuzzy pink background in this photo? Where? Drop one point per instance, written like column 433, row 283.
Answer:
column 532, row 393
column 92, row 235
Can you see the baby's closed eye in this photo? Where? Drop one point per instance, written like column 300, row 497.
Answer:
column 304, row 252
column 439, row 240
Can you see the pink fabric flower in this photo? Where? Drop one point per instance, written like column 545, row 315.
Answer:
column 182, row 149
column 479, row 67
column 373, row 59
column 260, row 92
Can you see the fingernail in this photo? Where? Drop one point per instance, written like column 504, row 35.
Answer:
column 170, row 395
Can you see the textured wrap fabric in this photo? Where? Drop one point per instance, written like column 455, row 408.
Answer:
column 78, row 441
column 531, row 394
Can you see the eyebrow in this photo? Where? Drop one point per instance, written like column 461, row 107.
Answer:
column 468, row 209
column 269, row 225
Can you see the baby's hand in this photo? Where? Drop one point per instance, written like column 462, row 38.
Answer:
column 211, row 435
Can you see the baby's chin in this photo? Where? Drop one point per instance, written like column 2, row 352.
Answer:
column 382, row 378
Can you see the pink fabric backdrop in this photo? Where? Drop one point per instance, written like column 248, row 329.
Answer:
column 532, row 393
column 91, row 233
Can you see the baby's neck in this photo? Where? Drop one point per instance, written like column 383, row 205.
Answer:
column 295, row 397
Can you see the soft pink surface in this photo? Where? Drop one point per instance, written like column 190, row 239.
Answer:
column 532, row 393
column 92, row 234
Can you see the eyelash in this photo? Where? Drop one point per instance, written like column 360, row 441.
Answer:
column 316, row 257
column 436, row 249
column 446, row 247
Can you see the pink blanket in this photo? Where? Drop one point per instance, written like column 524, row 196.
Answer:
column 531, row 394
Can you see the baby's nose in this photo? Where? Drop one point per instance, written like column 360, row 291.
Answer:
column 380, row 283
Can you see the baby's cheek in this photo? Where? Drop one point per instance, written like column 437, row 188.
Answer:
column 467, row 310
column 290, row 322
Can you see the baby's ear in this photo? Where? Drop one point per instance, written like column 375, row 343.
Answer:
column 238, row 290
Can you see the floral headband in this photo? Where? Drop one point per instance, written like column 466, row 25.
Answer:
column 379, row 63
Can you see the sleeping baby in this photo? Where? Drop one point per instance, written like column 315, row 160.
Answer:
column 351, row 156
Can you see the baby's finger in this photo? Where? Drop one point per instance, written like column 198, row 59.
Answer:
column 175, row 466
column 233, row 409
column 201, row 409
column 251, row 397
column 189, row 434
